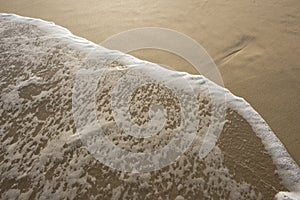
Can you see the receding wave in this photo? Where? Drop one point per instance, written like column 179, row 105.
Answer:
column 45, row 154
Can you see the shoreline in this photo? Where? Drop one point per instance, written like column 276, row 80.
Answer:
column 236, row 126
column 263, row 74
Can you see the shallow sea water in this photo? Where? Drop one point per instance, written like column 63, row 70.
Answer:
column 43, row 155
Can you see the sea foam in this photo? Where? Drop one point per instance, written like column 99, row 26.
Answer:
column 43, row 156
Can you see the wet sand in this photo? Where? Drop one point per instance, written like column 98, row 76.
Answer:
column 42, row 157
column 255, row 44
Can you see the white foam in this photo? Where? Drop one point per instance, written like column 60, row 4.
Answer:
column 288, row 196
column 52, row 151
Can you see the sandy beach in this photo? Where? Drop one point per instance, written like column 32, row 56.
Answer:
column 79, row 121
column 255, row 44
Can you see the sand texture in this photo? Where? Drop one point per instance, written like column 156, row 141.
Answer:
column 42, row 155
column 254, row 43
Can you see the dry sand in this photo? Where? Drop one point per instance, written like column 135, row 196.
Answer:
column 256, row 44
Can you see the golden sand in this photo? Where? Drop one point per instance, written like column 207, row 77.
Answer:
column 254, row 43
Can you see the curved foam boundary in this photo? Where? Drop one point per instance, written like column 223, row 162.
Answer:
column 287, row 168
